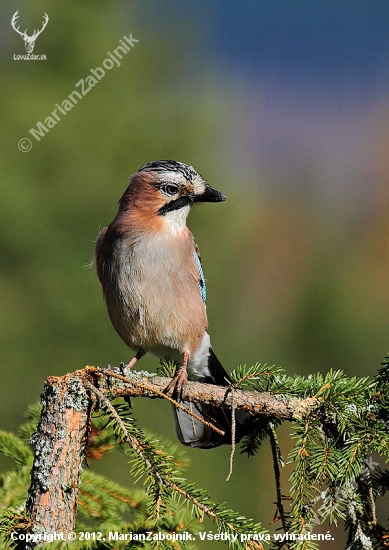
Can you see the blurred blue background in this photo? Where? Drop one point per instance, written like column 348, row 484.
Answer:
column 284, row 107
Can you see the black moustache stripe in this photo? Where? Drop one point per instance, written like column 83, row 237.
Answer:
column 185, row 200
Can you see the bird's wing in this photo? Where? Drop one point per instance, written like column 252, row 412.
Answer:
column 201, row 280
column 99, row 254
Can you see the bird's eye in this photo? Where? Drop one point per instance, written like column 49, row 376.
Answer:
column 170, row 189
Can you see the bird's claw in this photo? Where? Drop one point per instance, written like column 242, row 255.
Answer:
column 122, row 368
column 108, row 377
column 178, row 385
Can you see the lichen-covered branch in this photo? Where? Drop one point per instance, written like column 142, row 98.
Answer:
column 143, row 384
column 60, row 439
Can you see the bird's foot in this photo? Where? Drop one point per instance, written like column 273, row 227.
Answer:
column 108, row 377
column 126, row 398
column 178, row 385
column 129, row 366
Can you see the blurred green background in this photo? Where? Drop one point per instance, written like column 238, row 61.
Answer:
column 284, row 107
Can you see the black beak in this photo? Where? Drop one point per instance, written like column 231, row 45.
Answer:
column 210, row 195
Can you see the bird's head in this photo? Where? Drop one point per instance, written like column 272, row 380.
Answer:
column 162, row 192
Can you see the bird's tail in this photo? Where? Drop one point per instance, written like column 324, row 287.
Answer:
column 193, row 432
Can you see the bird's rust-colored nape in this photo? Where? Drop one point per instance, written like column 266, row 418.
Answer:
column 139, row 205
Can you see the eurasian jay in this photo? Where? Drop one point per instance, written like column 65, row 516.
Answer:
column 153, row 284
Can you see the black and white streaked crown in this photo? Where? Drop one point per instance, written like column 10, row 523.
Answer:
column 171, row 166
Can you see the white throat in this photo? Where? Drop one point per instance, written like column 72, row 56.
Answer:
column 176, row 219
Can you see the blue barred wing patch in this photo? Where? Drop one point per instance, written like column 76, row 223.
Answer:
column 202, row 287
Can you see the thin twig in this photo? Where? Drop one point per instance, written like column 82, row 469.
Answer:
column 280, row 513
column 233, row 435
column 370, row 500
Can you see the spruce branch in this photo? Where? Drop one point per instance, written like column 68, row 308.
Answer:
column 143, row 384
column 163, row 479
column 338, row 422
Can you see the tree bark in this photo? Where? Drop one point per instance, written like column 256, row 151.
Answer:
column 59, row 451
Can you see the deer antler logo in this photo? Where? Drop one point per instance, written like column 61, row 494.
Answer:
column 29, row 41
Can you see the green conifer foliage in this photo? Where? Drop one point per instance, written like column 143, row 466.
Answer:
column 335, row 478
